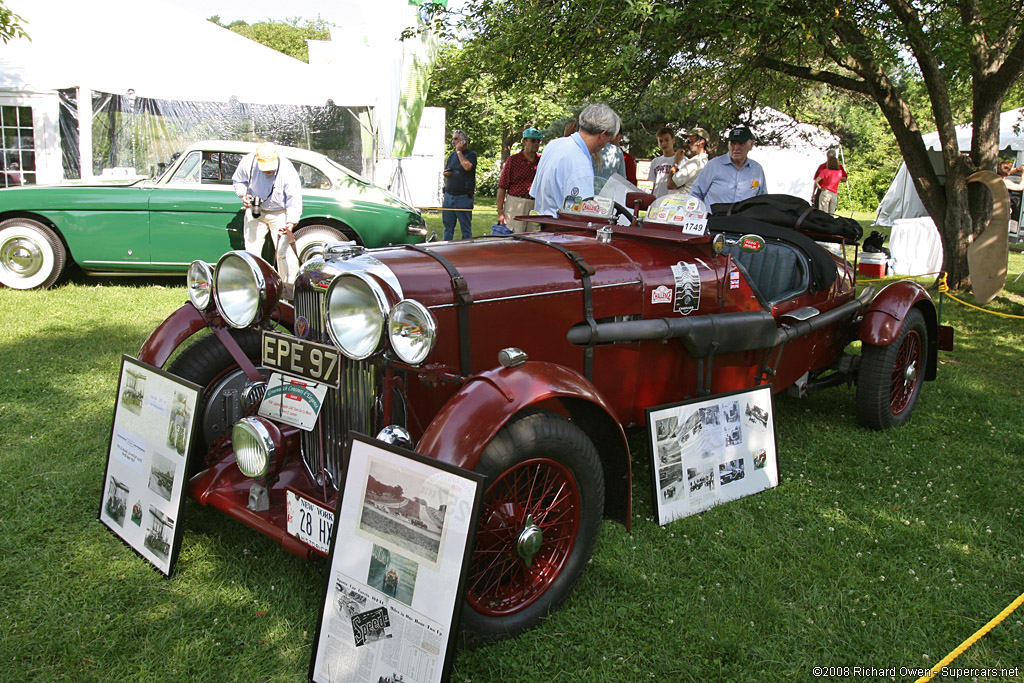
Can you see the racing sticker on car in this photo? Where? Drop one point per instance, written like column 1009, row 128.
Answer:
column 661, row 295
column 687, row 298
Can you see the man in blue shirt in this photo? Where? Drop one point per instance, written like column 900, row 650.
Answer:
column 271, row 193
column 566, row 168
column 459, row 185
column 731, row 177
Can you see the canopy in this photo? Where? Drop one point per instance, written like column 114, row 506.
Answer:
column 151, row 48
column 901, row 199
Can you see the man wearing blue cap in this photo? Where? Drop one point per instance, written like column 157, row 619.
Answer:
column 731, row 177
column 514, row 183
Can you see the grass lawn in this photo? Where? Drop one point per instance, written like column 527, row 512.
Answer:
column 878, row 549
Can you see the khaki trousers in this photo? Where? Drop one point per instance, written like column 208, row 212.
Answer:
column 519, row 206
column 255, row 232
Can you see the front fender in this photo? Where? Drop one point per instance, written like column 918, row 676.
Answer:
column 185, row 322
column 470, row 419
column 883, row 320
column 168, row 335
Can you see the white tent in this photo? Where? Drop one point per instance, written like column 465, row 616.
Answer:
column 901, row 199
column 52, row 84
column 789, row 164
column 154, row 49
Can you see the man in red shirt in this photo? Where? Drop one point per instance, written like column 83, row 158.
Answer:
column 514, row 183
column 826, row 183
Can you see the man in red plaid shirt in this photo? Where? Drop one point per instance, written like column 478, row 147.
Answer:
column 514, row 183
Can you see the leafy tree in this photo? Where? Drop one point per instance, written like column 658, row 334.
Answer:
column 10, row 25
column 288, row 37
column 493, row 116
column 963, row 55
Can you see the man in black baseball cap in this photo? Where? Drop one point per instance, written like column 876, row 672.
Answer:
column 731, row 177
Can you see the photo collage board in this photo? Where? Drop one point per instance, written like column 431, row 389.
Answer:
column 710, row 450
column 144, row 483
column 398, row 561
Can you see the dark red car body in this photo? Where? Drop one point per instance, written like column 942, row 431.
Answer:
column 594, row 307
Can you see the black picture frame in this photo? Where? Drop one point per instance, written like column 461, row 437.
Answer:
column 400, row 549
column 144, row 482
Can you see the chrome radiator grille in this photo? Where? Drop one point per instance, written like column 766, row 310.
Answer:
column 351, row 407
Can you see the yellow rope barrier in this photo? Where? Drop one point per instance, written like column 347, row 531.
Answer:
column 984, row 310
column 944, row 288
column 441, row 208
column 972, row 640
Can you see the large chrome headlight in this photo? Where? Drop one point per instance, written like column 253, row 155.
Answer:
column 200, row 284
column 246, row 288
column 412, row 330
column 354, row 311
column 253, row 445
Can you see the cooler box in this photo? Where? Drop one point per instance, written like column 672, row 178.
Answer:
column 872, row 264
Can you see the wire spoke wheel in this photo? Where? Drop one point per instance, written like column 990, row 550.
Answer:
column 890, row 377
column 538, row 523
column 527, row 529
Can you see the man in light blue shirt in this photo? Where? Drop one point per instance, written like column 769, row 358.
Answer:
column 566, row 168
column 271, row 193
column 731, row 177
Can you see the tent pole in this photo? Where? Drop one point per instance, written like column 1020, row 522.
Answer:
column 849, row 192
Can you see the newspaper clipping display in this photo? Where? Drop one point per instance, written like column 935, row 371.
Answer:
column 144, row 486
column 712, row 450
column 397, row 568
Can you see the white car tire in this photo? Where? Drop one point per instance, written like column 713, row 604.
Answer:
column 309, row 240
column 31, row 255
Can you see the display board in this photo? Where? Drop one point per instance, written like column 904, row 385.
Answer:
column 398, row 559
column 711, row 450
column 144, row 484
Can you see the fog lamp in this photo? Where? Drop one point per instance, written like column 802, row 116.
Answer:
column 255, row 446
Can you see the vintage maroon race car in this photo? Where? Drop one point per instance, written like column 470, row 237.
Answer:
column 525, row 358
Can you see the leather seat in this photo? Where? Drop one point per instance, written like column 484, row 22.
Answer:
column 777, row 272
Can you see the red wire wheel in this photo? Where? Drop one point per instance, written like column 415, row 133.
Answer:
column 526, row 531
column 890, row 377
column 541, row 511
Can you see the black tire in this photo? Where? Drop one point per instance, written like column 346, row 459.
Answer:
column 210, row 365
column 550, row 469
column 890, row 377
column 310, row 240
column 31, row 255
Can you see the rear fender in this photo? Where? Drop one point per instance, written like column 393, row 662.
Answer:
column 885, row 314
column 470, row 419
column 184, row 323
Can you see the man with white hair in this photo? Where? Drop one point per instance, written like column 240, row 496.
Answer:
column 271, row 193
column 731, row 177
column 566, row 168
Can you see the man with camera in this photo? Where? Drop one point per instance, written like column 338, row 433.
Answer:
column 271, row 193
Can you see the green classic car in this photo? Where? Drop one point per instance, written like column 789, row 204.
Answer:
column 190, row 212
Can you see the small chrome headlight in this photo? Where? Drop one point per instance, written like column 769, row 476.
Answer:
column 253, row 445
column 246, row 288
column 354, row 310
column 412, row 331
column 200, row 284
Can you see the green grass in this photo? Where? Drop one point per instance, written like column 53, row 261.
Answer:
column 877, row 549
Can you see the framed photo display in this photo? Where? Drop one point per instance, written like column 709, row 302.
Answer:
column 398, row 560
column 144, row 483
column 711, row 450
